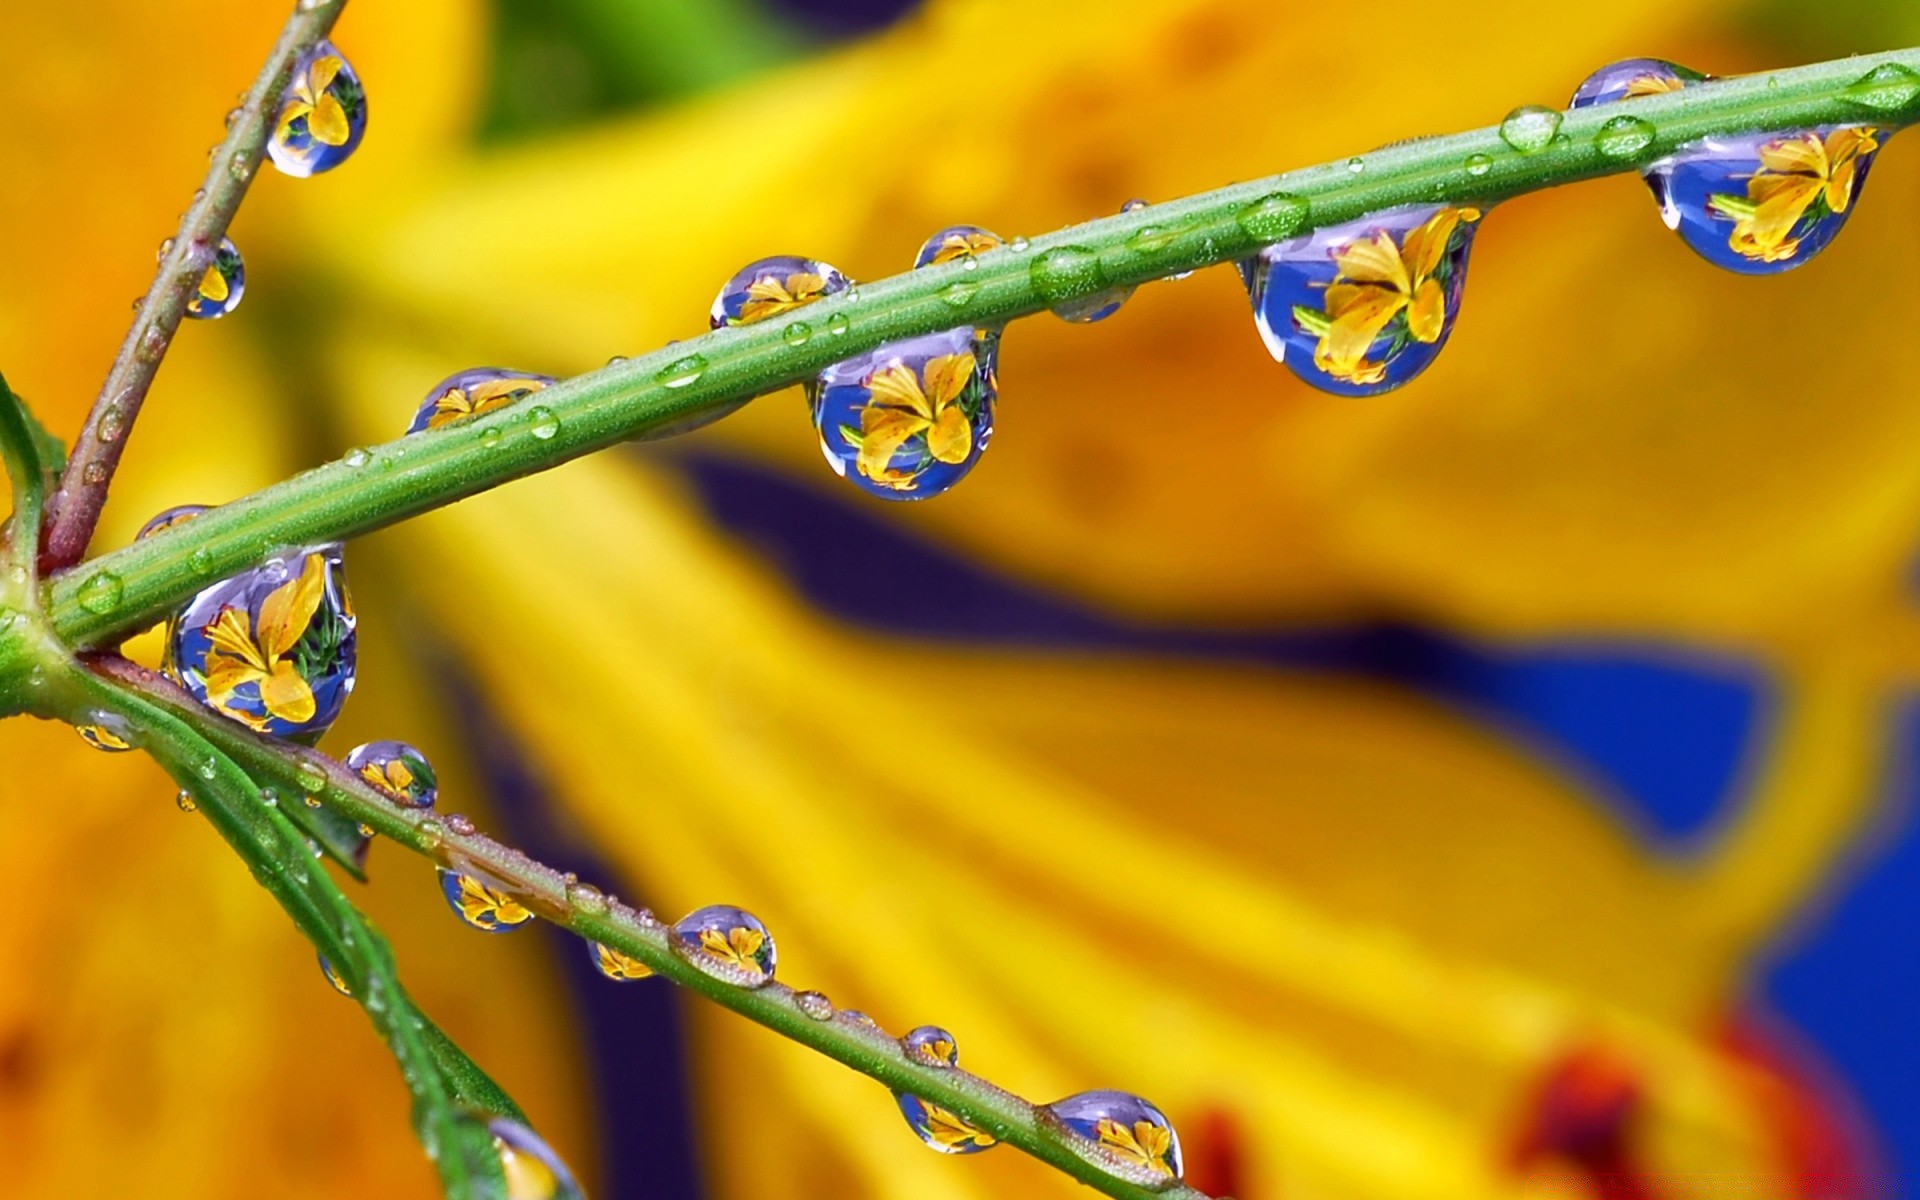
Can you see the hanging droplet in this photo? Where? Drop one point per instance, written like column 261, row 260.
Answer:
column 1530, row 128
column 334, row 977
column 183, row 800
column 221, row 287
column 1632, row 78
column 931, row 1046
column 482, row 905
column 102, row 738
column 942, row 1128
column 323, row 115
column 1072, row 280
column 273, row 648
column 168, row 519
column 909, row 420
column 1133, row 1138
column 533, row 1171
column 956, row 243
column 1361, row 308
column 727, row 943
column 773, row 287
column 397, row 770
column 1759, row 204
column 474, row 391
column 815, row 1004
column 615, row 965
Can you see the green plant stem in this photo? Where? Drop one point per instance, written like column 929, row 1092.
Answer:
column 74, row 511
column 26, row 474
column 652, row 396
column 446, row 1085
column 559, row 898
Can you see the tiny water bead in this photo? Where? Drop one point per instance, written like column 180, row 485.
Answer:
column 615, row 965
column 177, row 515
column 815, row 1004
column 221, row 287
column 482, row 905
column 102, row 593
column 941, row 1128
column 683, row 371
column 1530, row 128
column 956, row 243
column 1131, row 1136
column 273, row 648
column 533, row 1171
column 323, row 115
column 334, row 977
column 473, row 391
column 908, row 420
column 397, row 770
column 727, row 943
column 1759, row 204
column 1361, row 308
column 931, row 1046
column 773, row 287
column 1624, row 136
column 1631, row 78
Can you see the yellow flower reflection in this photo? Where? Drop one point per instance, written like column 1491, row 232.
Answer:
column 1376, row 281
column 949, row 1131
column 489, row 907
column 615, row 965
column 457, row 402
column 1795, row 173
column 904, row 405
column 326, row 119
column 394, row 777
column 738, row 947
column 527, row 1177
column 214, row 288
column 963, row 244
column 770, row 297
column 242, row 654
column 1144, row 1143
column 1653, row 84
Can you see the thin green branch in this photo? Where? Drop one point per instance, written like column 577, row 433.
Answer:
column 451, row 1095
column 698, row 381
column 27, row 472
column 74, row 510
column 451, row 842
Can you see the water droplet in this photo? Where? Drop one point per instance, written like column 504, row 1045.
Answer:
column 1478, row 164
column 797, row 334
column 179, row 514
column 166, row 247
column 1356, row 165
column 1131, row 1137
column 1274, row 218
column 1759, row 204
column 959, row 293
column 1530, row 128
column 334, row 977
column 585, row 898
column 1632, row 78
column 474, row 391
column 931, row 1046
column 941, row 1128
column 773, row 287
column 533, row 1171
column 240, row 169
column 837, row 325
column 310, row 801
column 956, row 243
column 322, row 117
column 109, row 732
column 101, row 593
column 727, row 943
column 396, row 770
column 1378, row 330
column 220, row 287
column 357, row 458
column 209, row 770
column 615, row 965
column 908, row 420
column 815, row 1005
column 482, row 905
column 459, row 825
column 183, row 800
column 1018, row 244
column 681, row 371
column 490, row 436
column 1073, row 282
column 295, row 620
column 201, row 560
column 542, row 423
column 1624, row 136
column 1889, row 87
column 855, row 1016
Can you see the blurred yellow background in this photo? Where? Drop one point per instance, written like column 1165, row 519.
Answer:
column 1482, row 790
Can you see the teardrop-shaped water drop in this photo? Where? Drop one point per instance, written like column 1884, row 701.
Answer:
column 773, row 287
column 1530, row 128
column 334, row 977
column 727, row 943
column 1759, row 204
column 397, row 770
column 941, row 1128
column 177, row 515
column 473, row 391
column 1632, row 78
column 1361, row 308
column 908, row 420
column 1131, row 1137
column 956, row 243
column 323, row 115
column 931, row 1046
column 221, row 286
column 615, row 965
column 482, row 905
column 533, row 1171
column 101, row 737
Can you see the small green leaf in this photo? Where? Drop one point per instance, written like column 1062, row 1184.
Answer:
column 33, row 457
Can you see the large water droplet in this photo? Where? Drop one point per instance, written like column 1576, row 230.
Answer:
column 941, row 1128
column 542, row 422
column 1530, row 128
column 396, row 770
column 1274, row 218
column 773, row 287
column 1632, row 78
column 101, row 593
column 615, row 965
column 1130, row 1136
column 727, row 943
column 473, row 391
column 956, row 243
column 533, row 1171
column 482, row 905
column 1889, row 87
column 1759, row 204
column 221, row 287
column 334, row 977
column 323, row 115
column 273, row 648
column 1624, row 136
column 908, row 420
column 1074, row 284
column 1361, row 308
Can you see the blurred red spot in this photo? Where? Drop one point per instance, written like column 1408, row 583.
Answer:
column 1213, row 1146
column 1581, row 1115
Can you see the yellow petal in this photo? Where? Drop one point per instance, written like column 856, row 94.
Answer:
column 213, row 286
column 289, row 609
column 1425, row 245
column 899, row 387
column 225, row 675
column 883, row 431
column 230, row 636
column 1374, row 259
column 1359, row 314
column 1427, row 315
column 1779, row 203
column 1804, row 154
column 947, row 376
column 328, row 121
column 320, row 74
column 951, row 438
column 285, row 694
